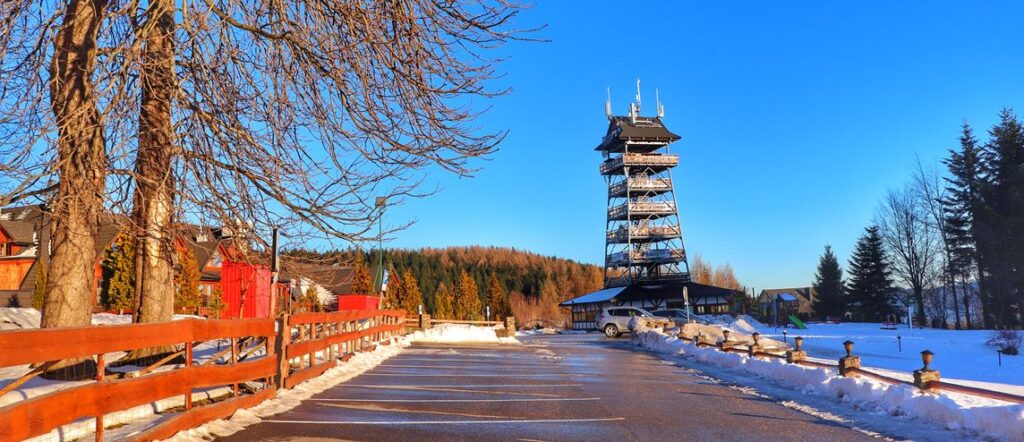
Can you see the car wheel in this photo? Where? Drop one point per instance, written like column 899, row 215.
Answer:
column 611, row 331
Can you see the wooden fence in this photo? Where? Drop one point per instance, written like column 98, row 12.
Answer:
column 753, row 349
column 261, row 355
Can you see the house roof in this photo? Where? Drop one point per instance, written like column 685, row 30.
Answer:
column 801, row 294
column 636, row 292
column 20, row 232
column 621, row 129
column 336, row 279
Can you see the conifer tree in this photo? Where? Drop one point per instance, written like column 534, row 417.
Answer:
column 411, row 297
column 395, row 290
column 186, row 278
column 828, row 283
column 467, row 301
column 959, row 207
column 870, row 287
column 215, row 304
column 497, row 298
column 118, row 266
column 39, row 291
column 362, row 282
column 444, row 303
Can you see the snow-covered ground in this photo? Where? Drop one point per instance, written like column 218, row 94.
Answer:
column 960, row 355
column 456, row 333
column 976, row 416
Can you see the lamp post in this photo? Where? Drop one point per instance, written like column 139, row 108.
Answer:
column 378, row 280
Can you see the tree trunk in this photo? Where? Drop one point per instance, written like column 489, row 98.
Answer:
column 82, row 158
column 154, row 178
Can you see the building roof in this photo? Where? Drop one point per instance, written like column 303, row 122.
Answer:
column 800, row 294
column 669, row 290
column 20, row 232
column 621, row 129
column 336, row 279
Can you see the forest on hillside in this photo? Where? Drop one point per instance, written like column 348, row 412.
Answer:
column 460, row 282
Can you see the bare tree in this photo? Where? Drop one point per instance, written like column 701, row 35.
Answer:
column 912, row 244
column 931, row 191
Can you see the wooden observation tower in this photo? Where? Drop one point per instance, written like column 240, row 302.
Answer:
column 644, row 240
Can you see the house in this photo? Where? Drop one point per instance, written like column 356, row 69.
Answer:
column 775, row 305
column 328, row 281
column 704, row 299
column 24, row 232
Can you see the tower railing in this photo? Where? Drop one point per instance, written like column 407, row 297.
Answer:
column 639, row 160
column 641, row 184
column 643, row 232
column 646, row 256
column 643, row 208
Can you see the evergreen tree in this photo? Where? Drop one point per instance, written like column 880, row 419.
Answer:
column 959, row 207
column 215, row 304
column 497, row 298
column 870, row 286
column 411, row 296
column 999, row 221
column 467, row 301
column 828, row 283
column 118, row 265
column 395, row 290
column 310, row 300
column 186, row 280
column 444, row 303
column 39, row 291
column 362, row 282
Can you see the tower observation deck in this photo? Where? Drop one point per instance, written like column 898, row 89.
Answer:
column 644, row 240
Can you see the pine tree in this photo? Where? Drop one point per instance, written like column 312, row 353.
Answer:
column 959, row 207
column 215, row 304
column 186, row 280
column 118, row 265
column 467, row 301
column 497, row 298
column 411, row 297
column 443, row 303
column 828, row 283
column 870, row 287
column 311, row 299
column 362, row 282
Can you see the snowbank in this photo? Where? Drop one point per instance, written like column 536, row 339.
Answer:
column 457, row 333
column 989, row 418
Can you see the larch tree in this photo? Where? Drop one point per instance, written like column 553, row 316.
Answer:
column 395, row 289
column 828, row 284
column 467, row 300
column 444, row 301
column 497, row 298
column 870, row 289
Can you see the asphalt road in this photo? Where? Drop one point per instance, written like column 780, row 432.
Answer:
column 568, row 387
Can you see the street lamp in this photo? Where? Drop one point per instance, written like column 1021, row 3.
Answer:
column 378, row 280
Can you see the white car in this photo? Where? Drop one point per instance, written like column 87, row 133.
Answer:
column 614, row 320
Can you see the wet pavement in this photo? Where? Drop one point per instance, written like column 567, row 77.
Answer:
column 563, row 387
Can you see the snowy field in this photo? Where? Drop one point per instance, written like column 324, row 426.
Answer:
column 959, row 354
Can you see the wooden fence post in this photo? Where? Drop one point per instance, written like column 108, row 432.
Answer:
column 796, row 354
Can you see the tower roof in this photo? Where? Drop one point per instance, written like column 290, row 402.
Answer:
column 622, row 129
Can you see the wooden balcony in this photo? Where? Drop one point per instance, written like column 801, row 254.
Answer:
column 641, row 210
column 639, row 161
column 652, row 256
column 643, row 234
column 640, row 186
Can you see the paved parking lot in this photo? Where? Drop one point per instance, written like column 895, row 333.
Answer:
column 552, row 388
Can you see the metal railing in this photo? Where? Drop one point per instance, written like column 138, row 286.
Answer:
column 639, row 160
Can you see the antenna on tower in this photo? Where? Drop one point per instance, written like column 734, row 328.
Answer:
column 661, row 109
column 638, row 95
column 608, row 105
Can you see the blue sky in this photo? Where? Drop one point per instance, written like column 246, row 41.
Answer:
column 796, row 117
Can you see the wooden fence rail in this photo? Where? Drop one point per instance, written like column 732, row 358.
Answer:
column 743, row 347
column 321, row 338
